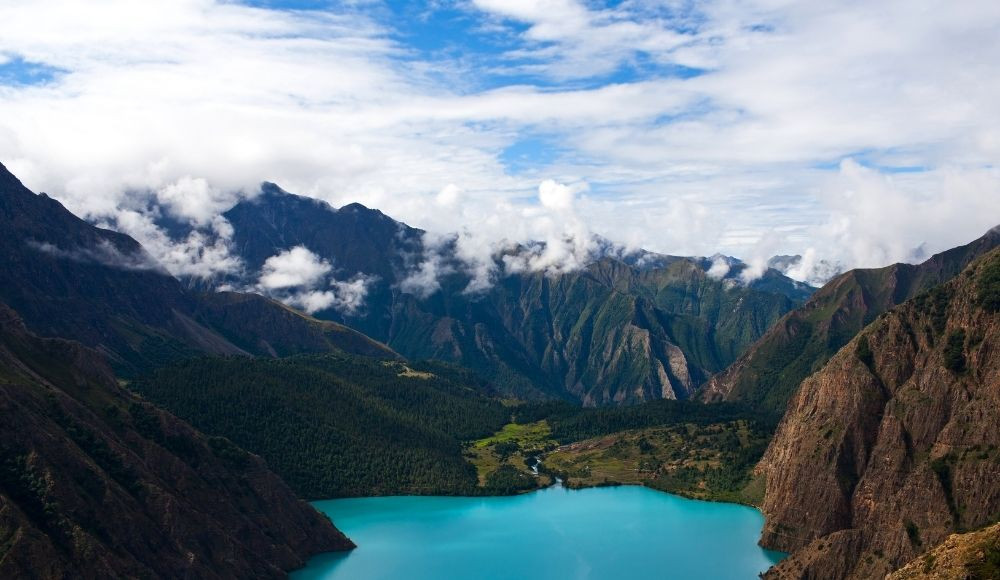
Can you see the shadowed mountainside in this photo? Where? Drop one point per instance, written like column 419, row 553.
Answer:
column 624, row 329
column 70, row 279
column 96, row 483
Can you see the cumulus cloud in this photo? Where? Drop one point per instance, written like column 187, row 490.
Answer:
column 344, row 296
column 200, row 254
column 702, row 127
column 295, row 267
column 300, row 278
column 555, row 196
column 194, row 200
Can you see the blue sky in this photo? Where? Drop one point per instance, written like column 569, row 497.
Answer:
column 851, row 132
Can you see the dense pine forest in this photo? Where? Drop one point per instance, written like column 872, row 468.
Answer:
column 341, row 425
column 338, row 425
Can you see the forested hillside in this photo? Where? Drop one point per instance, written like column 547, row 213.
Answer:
column 95, row 483
column 336, row 425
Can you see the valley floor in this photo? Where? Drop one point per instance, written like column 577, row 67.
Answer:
column 710, row 462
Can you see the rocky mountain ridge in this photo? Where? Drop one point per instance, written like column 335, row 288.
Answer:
column 892, row 446
column 799, row 344
column 626, row 328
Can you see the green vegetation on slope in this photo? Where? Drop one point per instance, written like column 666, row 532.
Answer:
column 710, row 461
column 684, row 447
column 511, row 449
column 336, row 425
column 574, row 424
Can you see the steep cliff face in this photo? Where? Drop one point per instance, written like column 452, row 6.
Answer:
column 769, row 371
column 95, row 483
column 893, row 445
column 610, row 333
column 69, row 279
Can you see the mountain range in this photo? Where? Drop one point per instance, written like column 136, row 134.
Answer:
column 625, row 328
column 886, row 381
column 68, row 278
column 801, row 342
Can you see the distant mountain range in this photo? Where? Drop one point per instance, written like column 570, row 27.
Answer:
column 628, row 327
column 70, row 279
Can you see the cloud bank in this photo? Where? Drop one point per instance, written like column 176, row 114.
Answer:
column 853, row 134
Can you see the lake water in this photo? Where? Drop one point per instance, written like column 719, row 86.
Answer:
column 598, row 533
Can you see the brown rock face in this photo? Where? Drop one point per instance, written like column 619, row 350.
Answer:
column 768, row 373
column 95, row 483
column 973, row 555
column 893, row 445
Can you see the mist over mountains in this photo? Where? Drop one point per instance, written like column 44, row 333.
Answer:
column 553, row 317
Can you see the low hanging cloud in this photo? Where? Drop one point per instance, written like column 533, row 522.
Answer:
column 194, row 200
column 548, row 237
column 424, row 279
column 104, row 253
column 201, row 254
column 346, row 297
column 720, row 267
column 295, row 267
column 300, row 278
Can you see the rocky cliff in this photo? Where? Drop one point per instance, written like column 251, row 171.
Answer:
column 893, row 445
column 96, row 483
column 768, row 372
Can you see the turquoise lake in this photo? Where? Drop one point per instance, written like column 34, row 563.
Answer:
column 556, row 533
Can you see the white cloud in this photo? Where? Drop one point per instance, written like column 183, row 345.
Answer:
column 344, row 296
column 719, row 268
column 199, row 100
column 297, row 267
column 201, row 254
column 195, row 200
column 300, row 278
column 423, row 280
column 555, row 196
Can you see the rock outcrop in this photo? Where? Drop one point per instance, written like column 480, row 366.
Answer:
column 893, row 445
column 969, row 556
